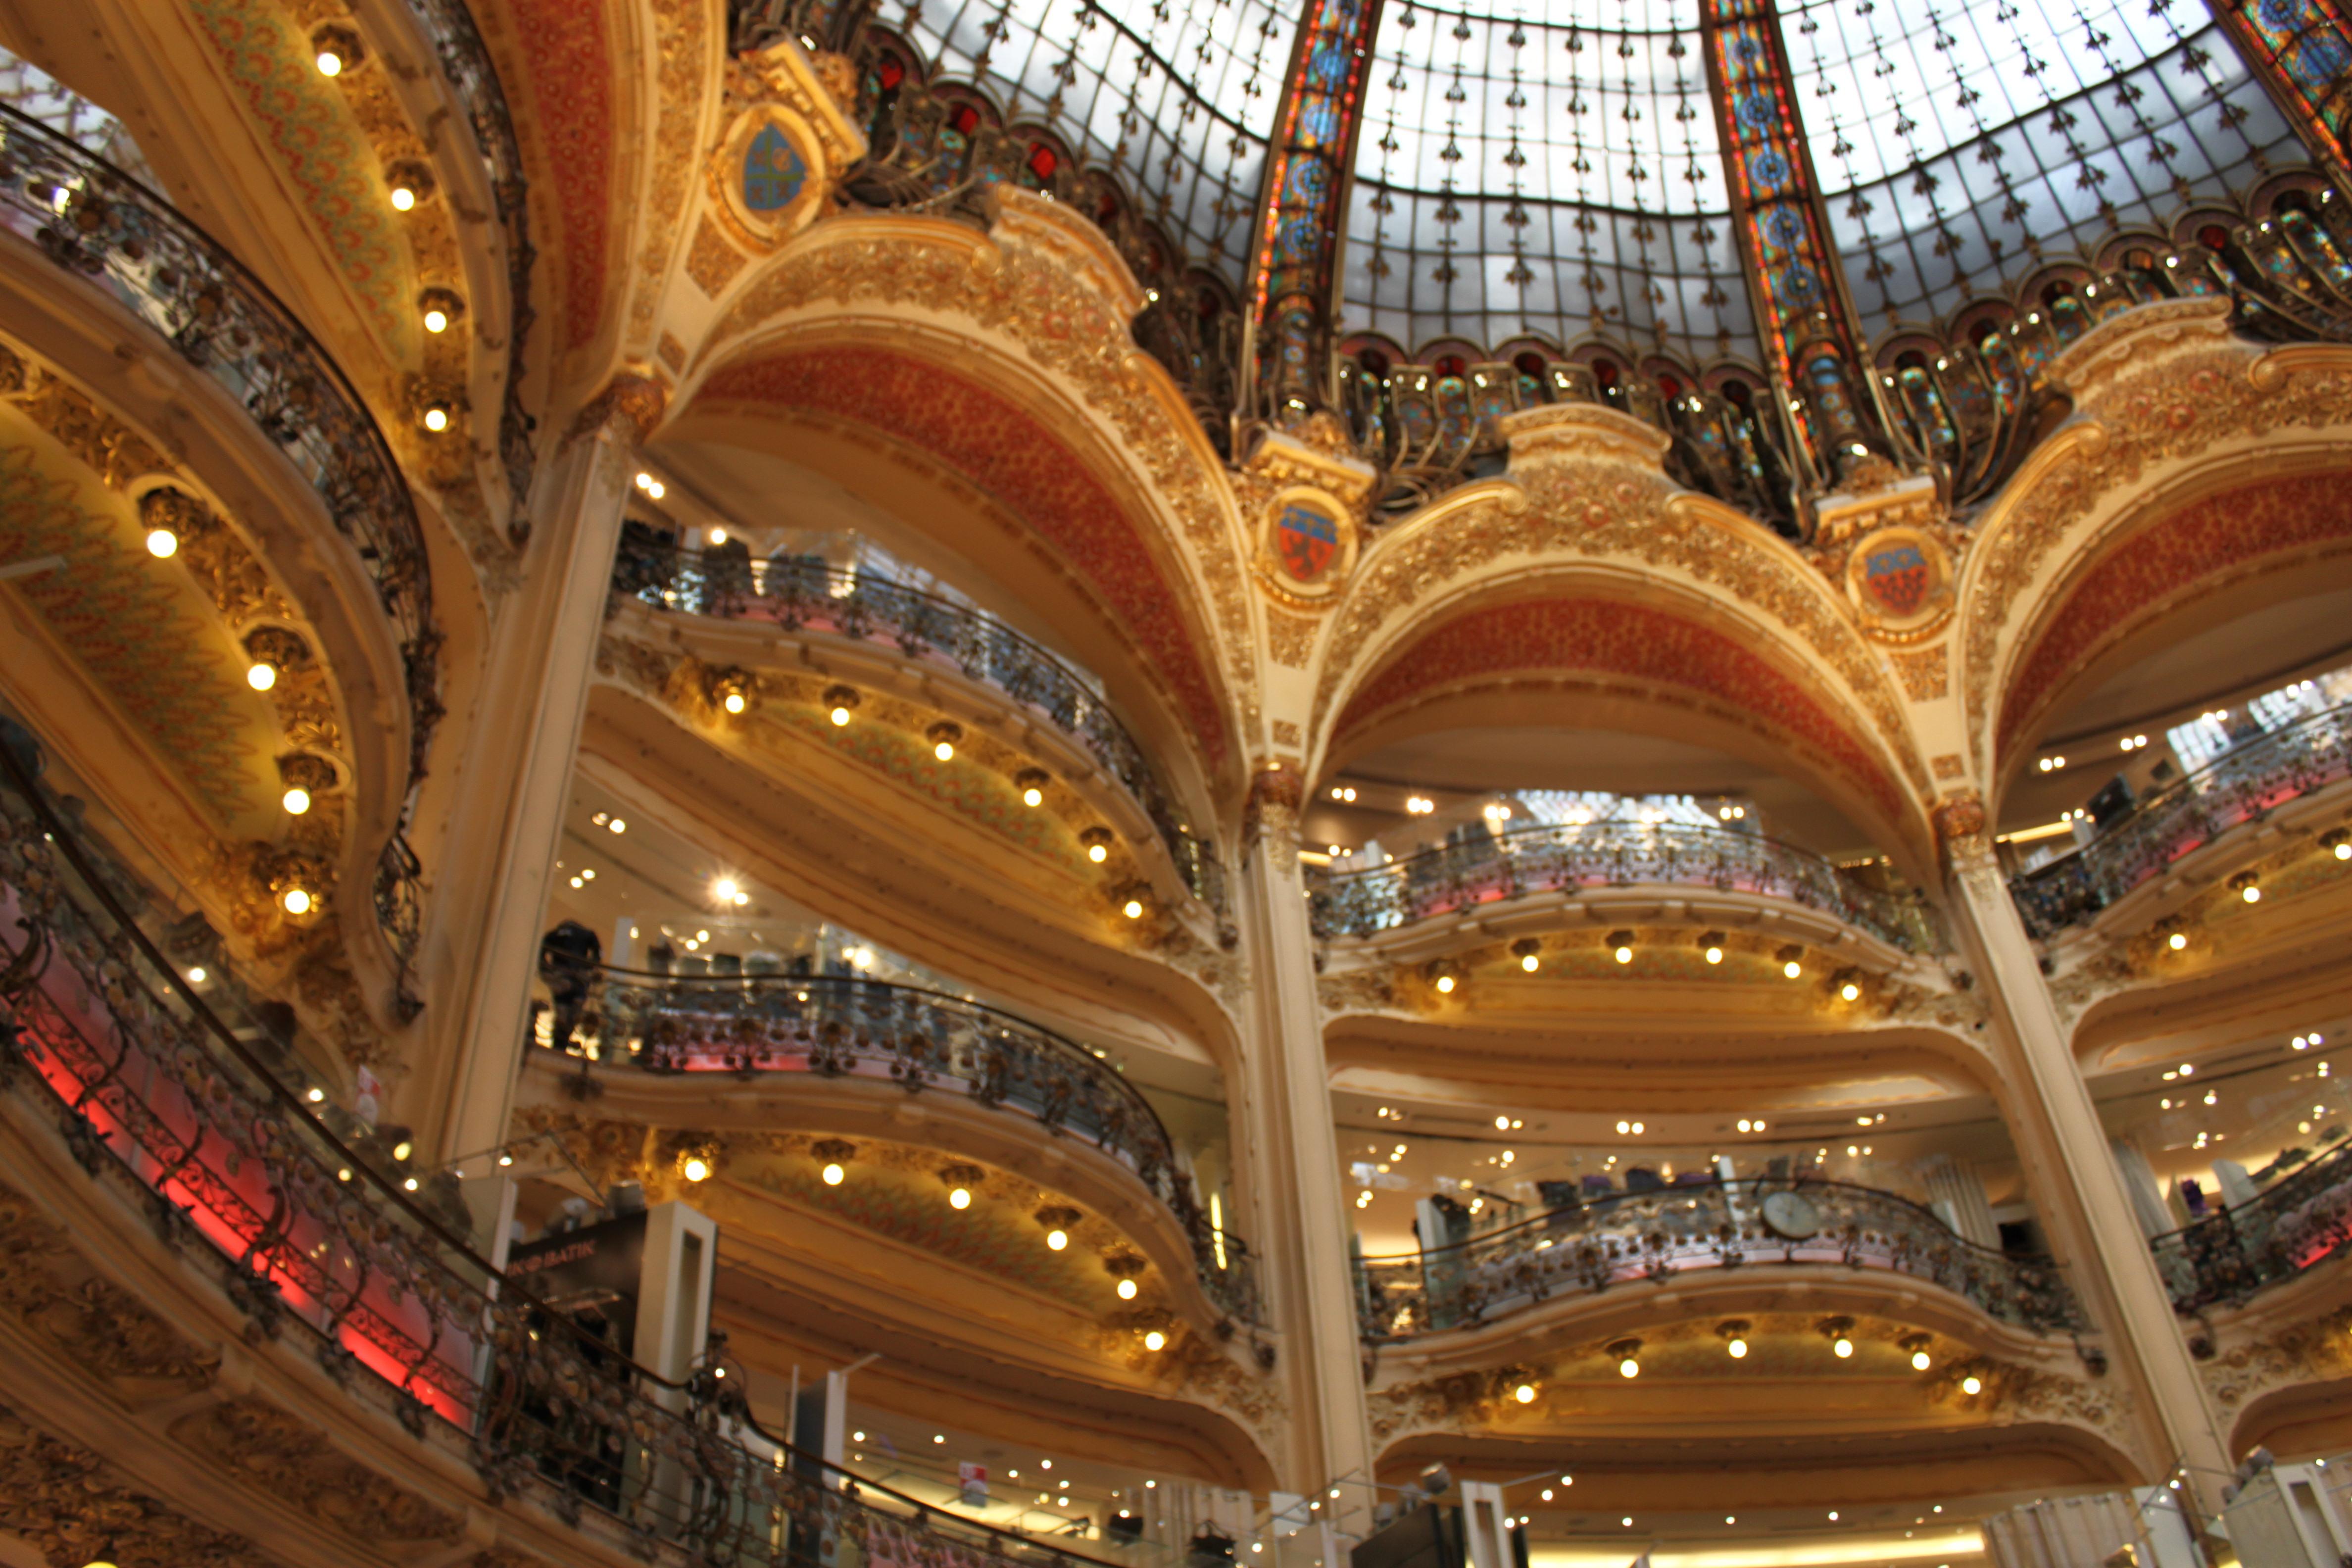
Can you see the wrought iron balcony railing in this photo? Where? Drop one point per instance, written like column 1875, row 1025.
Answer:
column 157, row 1095
column 1658, row 1236
column 1565, row 857
column 2243, row 784
column 473, row 77
column 837, row 1026
column 862, row 605
column 2304, row 1219
column 100, row 224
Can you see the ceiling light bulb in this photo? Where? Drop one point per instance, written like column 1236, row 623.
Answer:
column 734, row 703
column 1920, row 1361
column 296, row 900
column 163, row 544
column 1127, row 1289
column 1057, row 1239
column 1098, row 853
column 437, row 320
column 1972, row 1385
column 2177, row 941
column 695, row 1168
column 1132, row 909
column 1850, row 991
column 724, row 889
column 329, row 63
column 1739, row 1349
column 833, row 1174
column 2344, row 851
column 1843, row 1347
column 1446, row 985
column 2254, row 895
column 1624, row 955
column 196, row 977
column 616, row 826
column 403, row 198
column 1792, row 969
column 717, row 535
column 436, row 418
column 296, row 801
column 944, row 751
column 1715, row 955
column 1154, row 1341
column 1629, row 1367
column 1033, row 797
column 261, row 677
column 1524, row 1394
column 959, row 1198
column 1530, row 963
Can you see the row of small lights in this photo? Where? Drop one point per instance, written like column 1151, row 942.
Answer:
column 338, row 49
column 2129, row 743
column 1627, row 1354
column 1621, row 945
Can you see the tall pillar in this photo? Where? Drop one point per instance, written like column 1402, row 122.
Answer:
column 1302, row 1214
column 1295, row 260
column 505, row 834
column 2301, row 54
column 2092, row 1226
column 1813, row 342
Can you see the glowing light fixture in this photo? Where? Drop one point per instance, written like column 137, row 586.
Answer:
column 1154, row 1341
column 1057, row 1239
column 959, row 1198
column 1132, row 909
column 1127, row 1289
column 329, row 63
column 295, row 900
column 163, row 544
column 261, row 676
column 1921, row 1361
column 1446, row 985
column 695, row 1168
column 1737, row 1349
column 2177, row 941
column 1629, row 1367
column 296, row 801
column 1524, row 1394
column 1972, row 1384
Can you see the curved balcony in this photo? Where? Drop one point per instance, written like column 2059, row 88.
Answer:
column 2300, row 1223
column 844, row 1027
column 163, row 1102
column 808, row 595
column 2246, row 783
column 97, row 222
column 473, row 77
column 1658, row 1236
column 1566, row 858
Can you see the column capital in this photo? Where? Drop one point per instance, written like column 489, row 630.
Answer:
column 636, row 402
column 1276, row 795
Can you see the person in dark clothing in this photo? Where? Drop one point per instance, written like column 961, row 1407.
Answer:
column 568, row 957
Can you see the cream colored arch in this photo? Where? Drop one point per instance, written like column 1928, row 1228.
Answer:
column 1039, row 310
column 2172, row 410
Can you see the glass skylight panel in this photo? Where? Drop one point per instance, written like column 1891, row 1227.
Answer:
column 1176, row 98
column 1959, row 145
column 1546, row 168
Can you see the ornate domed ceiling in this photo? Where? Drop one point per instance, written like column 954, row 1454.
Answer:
column 1555, row 168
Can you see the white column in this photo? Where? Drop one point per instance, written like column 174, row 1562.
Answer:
column 504, row 836
column 1300, row 1210
column 2090, row 1215
column 1955, row 1184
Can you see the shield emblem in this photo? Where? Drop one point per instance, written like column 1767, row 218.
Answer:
column 1307, row 539
column 1897, row 577
column 774, row 171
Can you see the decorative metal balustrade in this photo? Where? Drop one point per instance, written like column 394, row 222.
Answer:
column 838, row 1026
column 157, row 1095
column 2302, row 1221
column 473, row 77
column 1659, row 1236
column 2252, row 779
column 807, row 593
column 1567, row 857
column 100, row 224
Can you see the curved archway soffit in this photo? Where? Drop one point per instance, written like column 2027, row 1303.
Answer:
column 1007, row 453
column 1043, row 279
column 2186, row 554
column 1622, row 643
column 2200, row 390
column 1608, row 509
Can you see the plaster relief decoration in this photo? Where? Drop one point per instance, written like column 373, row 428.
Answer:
column 1901, row 580
column 783, row 152
column 1310, row 499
